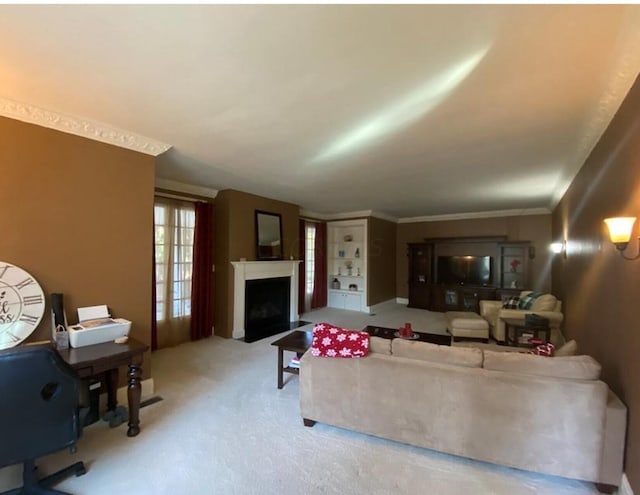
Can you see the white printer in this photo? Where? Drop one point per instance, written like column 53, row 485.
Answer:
column 96, row 326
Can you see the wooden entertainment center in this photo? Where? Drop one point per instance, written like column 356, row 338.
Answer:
column 507, row 275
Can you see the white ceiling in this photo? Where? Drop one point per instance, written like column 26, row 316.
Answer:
column 405, row 110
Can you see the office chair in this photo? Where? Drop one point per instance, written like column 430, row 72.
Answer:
column 39, row 414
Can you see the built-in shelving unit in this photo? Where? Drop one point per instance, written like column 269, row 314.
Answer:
column 347, row 264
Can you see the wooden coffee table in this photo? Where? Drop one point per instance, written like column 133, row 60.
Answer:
column 390, row 333
column 297, row 341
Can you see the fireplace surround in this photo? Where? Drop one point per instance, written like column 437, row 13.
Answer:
column 256, row 270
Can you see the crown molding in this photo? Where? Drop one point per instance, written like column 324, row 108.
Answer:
column 426, row 218
column 176, row 186
column 625, row 66
column 480, row 214
column 82, row 127
column 347, row 215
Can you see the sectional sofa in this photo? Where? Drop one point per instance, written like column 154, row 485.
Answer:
column 547, row 415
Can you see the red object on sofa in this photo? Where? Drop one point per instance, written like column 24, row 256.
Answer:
column 332, row 341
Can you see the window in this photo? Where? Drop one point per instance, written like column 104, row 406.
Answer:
column 310, row 244
column 174, row 224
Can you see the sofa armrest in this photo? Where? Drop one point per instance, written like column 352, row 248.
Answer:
column 489, row 310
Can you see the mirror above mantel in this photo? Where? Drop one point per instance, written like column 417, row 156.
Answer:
column 268, row 236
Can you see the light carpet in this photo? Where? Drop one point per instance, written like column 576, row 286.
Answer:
column 224, row 428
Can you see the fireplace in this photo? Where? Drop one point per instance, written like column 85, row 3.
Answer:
column 250, row 271
column 266, row 307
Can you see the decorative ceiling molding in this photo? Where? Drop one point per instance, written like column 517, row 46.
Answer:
column 480, row 214
column 173, row 185
column 347, row 215
column 625, row 66
column 426, row 218
column 82, row 127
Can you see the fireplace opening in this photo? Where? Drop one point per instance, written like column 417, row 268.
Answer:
column 266, row 307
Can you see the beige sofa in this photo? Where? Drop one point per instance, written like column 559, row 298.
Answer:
column 546, row 305
column 548, row 415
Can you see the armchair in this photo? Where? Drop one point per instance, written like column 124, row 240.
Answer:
column 39, row 413
column 546, row 305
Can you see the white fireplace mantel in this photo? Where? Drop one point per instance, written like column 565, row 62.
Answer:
column 255, row 270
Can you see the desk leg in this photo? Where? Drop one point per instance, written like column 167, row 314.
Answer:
column 134, row 391
column 111, row 377
column 280, row 373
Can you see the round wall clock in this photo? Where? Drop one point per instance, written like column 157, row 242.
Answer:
column 21, row 304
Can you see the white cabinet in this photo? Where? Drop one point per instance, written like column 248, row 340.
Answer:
column 347, row 264
column 350, row 300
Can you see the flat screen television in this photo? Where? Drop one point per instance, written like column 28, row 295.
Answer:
column 464, row 270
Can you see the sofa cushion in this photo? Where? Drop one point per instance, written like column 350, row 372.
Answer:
column 527, row 300
column 332, row 341
column 512, row 303
column 380, row 345
column 424, row 351
column 545, row 302
column 573, row 367
column 568, row 349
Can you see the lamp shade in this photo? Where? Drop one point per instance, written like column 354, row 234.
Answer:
column 620, row 228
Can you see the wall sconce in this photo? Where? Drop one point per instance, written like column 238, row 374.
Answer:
column 620, row 229
column 559, row 248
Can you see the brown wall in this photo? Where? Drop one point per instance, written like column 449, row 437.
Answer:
column 381, row 264
column 236, row 238
column 601, row 290
column 534, row 228
column 78, row 216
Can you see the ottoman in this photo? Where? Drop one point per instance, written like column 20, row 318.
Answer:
column 464, row 324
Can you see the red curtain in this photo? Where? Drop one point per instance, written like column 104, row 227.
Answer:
column 154, row 321
column 202, row 284
column 319, row 296
column 301, row 268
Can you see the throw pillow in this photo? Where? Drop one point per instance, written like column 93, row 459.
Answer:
column 543, row 350
column 568, row 349
column 332, row 341
column 512, row 303
column 527, row 301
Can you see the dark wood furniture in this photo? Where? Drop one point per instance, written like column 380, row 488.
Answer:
column 297, row 341
column 510, row 272
column 106, row 358
column 390, row 333
column 515, row 328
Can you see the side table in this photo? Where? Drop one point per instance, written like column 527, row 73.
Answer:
column 297, row 341
column 515, row 328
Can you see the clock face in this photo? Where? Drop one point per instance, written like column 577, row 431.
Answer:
column 21, row 305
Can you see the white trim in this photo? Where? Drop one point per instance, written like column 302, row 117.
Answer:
column 80, row 126
column 255, row 270
column 173, row 185
column 402, row 300
column 625, row 487
column 480, row 214
column 382, row 306
column 349, row 214
column 426, row 218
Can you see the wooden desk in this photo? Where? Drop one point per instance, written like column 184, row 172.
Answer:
column 106, row 358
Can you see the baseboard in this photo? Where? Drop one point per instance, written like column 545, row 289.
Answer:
column 402, row 300
column 381, row 306
column 625, row 487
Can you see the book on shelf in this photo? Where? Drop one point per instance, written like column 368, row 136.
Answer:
column 295, row 362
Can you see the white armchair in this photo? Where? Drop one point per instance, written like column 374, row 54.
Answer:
column 546, row 305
